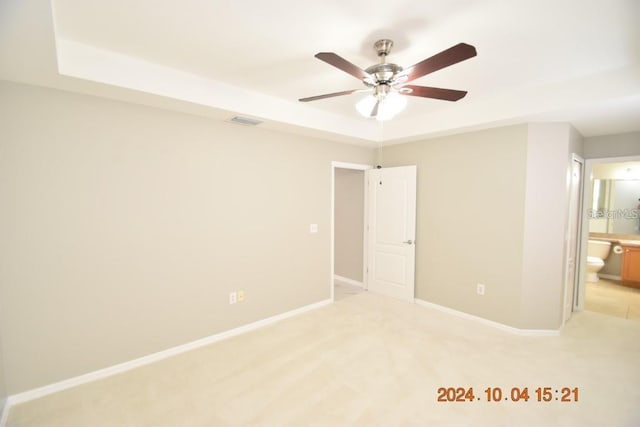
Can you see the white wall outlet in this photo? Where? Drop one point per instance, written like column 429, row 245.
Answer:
column 480, row 289
column 313, row 228
column 240, row 296
column 233, row 297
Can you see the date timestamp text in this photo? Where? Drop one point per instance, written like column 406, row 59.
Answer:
column 513, row 394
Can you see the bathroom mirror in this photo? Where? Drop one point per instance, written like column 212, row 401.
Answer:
column 616, row 208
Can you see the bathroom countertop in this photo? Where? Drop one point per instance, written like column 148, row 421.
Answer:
column 622, row 239
column 634, row 243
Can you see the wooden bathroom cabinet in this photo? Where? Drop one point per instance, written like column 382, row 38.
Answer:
column 631, row 265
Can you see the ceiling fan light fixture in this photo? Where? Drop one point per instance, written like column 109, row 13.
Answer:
column 387, row 80
column 391, row 103
column 365, row 105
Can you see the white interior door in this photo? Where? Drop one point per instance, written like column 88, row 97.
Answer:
column 392, row 231
column 575, row 190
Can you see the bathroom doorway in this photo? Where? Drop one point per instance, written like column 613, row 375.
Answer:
column 611, row 207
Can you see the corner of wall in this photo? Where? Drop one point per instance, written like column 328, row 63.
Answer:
column 183, row 171
column 546, row 202
column 576, row 142
column 471, row 189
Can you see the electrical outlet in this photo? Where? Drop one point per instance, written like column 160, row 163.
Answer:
column 480, row 289
column 233, row 297
column 240, row 296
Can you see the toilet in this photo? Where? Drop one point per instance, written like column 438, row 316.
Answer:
column 597, row 252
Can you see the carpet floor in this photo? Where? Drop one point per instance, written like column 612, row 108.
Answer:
column 368, row 360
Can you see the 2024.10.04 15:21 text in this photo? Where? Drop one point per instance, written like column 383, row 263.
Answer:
column 513, row 394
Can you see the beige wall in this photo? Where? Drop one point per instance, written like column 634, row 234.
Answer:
column 470, row 216
column 349, row 223
column 492, row 209
column 625, row 144
column 125, row 227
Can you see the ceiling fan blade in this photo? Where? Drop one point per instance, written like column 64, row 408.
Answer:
column 341, row 63
column 329, row 95
column 435, row 92
column 453, row 55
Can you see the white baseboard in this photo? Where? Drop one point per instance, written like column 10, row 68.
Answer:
column 501, row 326
column 145, row 360
column 347, row 281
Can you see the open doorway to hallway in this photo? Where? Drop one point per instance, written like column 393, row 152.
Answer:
column 349, row 237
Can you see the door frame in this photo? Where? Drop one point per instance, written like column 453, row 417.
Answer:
column 354, row 166
column 573, row 211
column 587, row 200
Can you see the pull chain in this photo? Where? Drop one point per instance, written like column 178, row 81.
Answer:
column 380, row 135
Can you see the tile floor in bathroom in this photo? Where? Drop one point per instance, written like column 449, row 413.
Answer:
column 614, row 299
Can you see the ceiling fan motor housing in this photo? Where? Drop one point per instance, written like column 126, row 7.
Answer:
column 383, row 73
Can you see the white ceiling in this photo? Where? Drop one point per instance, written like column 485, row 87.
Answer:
column 575, row 61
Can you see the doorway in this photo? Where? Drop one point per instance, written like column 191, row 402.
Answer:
column 348, row 233
column 603, row 177
column 376, row 247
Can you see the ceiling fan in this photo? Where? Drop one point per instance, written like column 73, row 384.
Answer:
column 388, row 82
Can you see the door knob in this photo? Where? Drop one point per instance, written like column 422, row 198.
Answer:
column 409, row 242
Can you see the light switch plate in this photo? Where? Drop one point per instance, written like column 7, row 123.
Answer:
column 313, row 228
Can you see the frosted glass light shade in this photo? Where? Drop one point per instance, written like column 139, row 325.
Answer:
column 389, row 106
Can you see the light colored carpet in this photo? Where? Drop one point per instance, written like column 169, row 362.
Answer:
column 343, row 290
column 368, row 360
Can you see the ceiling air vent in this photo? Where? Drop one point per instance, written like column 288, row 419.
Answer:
column 247, row 121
